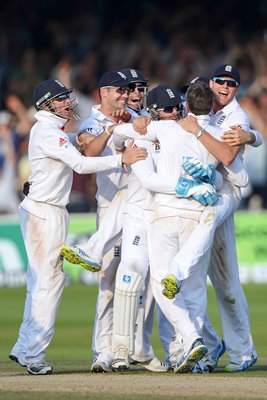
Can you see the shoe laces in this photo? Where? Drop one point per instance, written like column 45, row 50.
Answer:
column 122, row 352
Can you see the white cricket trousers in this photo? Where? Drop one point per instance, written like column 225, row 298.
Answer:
column 167, row 234
column 44, row 228
column 102, row 336
column 224, row 276
column 201, row 240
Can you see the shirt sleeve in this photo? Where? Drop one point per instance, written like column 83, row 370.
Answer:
column 236, row 173
column 258, row 138
column 60, row 148
column 144, row 170
column 122, row 132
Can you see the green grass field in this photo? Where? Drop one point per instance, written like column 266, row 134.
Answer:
column 71, row 345
column 71, row 355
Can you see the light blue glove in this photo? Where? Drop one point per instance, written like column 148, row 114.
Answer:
column 199, row 171
column 202, row 192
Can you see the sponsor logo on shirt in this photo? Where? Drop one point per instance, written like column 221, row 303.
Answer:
column 62, row 141
column 126, row 278
column 157, row 147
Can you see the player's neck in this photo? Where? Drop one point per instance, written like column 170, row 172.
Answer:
column 107, row 111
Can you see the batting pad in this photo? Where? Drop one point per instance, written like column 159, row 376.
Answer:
column 125, row 307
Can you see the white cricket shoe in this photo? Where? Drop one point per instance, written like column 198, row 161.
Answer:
column 242, row 367
column 40, row 368
column 188, row 361
column 76, row 255
column 212, row 358
column 120, row 362
column 100, row 367
column 153, row 365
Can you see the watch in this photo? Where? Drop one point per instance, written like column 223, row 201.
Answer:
column 199, row 134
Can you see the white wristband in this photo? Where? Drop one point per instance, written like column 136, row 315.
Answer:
column 107, row 132
column 199, row 134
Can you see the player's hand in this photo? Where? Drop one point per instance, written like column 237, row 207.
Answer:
column 236, row 136
column 204, row 193
column 199, row 171
column 190, row 124
column 133, row 154
column 121, row 116
column 140, row 124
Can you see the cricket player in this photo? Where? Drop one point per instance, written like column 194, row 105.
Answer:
column 44, row 218
column 111, row 196
column 133, row 270
column 138, row 90
column 223, row 270
column 167, row 232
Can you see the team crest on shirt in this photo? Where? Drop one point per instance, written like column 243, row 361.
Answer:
column 221, row 120
column 62, row 141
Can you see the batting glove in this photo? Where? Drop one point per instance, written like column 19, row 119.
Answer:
column 195, row 168
column 202, row 192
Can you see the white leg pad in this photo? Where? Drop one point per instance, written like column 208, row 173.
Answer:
column 125, row 307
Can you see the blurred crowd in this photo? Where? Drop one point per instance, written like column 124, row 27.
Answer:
column 85, row 40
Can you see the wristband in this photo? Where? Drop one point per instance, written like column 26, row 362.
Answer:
column 199, row 134
column 107, row 132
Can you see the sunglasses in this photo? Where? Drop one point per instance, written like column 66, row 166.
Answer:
column 63, row 97
column 120, row 90
column 221, row 81
column 123, row 90
column 169, row 109
column 134, row 87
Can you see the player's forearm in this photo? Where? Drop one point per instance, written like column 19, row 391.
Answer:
column 220, row 150
column 126, row 131
column 97, row 145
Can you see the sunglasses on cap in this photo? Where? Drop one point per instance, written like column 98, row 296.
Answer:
column 221, row 81
column 169, row 109
column 134, row 87
column 62, row 97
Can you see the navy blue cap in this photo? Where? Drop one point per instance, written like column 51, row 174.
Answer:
column 162, row 96
column 48, row 90
column 134, row 75
column 227, row 70
column 113, row 78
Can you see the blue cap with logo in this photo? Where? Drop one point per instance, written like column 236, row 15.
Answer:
column 162, row 96
column 48, row 90
column 113, row 78
column 227, row 70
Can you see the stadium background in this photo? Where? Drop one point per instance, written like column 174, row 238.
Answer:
column 171, row 43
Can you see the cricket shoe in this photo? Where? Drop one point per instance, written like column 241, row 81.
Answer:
column 153, row 365
column 100, row 367
column 40, row 368
column 16, row 359
column 242, row 367
column 76, row 255
column 188, row 361
column 121, row 362
column 212, row 358
column 171, row 286
column 200, row 368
